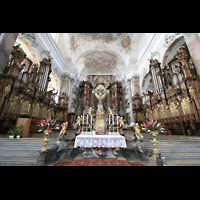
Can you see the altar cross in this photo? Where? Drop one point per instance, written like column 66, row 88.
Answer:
column 100, row 92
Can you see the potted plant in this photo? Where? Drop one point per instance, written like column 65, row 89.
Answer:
column 19, row 133
column 14, row 131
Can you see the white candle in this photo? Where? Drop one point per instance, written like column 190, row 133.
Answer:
column 113, row 120
column 117, row 120
column 83, row 120
column 91, row 122
column 87, row 119
column 109, row 120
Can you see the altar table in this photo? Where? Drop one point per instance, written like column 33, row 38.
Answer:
column 105, row 141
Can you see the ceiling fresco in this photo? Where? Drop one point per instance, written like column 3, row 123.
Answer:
column 107, row 37
column 100, row 61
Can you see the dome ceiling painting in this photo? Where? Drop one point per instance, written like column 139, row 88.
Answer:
column 99, row 53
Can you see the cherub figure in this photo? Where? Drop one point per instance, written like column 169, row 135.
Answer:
column 79, row 120
column 110, row 112
column 78, row 123
column 64, row 127
column 90, row 111
column 121, row 121
column 137, row 130
column 121, row 124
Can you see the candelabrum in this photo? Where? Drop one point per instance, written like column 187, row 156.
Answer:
column 154, row 142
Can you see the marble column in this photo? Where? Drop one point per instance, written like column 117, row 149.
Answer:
column 84, row 98
column 7, row 41
column 193, row 43
column 116, row 101
column 88, row 97
column 112, row 98
column 136, row 86
column 108, row 100
column 92, row 100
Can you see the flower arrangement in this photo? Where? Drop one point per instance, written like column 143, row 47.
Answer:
column 152, row 126
column 47, row 125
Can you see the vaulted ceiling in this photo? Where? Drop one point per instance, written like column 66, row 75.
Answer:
column 100, row 53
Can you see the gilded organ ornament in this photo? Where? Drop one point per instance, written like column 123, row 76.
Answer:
column 13, row 102
column 36, row 109
column 185, row 106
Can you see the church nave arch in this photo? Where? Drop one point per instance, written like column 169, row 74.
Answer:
column 146, row 83
column 27, row 48
column 171, row 50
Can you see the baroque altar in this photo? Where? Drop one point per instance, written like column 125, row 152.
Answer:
column 99, row 130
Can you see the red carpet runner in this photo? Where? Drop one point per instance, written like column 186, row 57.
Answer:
column 98, row 162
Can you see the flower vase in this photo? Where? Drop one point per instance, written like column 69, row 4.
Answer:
column 154, row 142
column 49, row 135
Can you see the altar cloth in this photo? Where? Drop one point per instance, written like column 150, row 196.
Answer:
column 105, row 141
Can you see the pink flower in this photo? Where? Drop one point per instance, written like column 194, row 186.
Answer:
column 52, row 120
column 149, row 122
column 45, row 124
column 52, row 124
column 144, row 125
column 43, row 120
column 39, row 125
column 155, row 123
column 48, row 120
column 158, row 124
column 57, row 124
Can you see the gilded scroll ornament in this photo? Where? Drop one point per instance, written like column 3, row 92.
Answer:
column 7, row 90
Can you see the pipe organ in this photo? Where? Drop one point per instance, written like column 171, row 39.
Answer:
column 23, row 88
column 175, row 98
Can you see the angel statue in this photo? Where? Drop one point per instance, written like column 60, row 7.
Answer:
column 121, row 124
column 78, row 123
column 137, row 130
column 110, row 112
column 64, row 127
column 90, row 111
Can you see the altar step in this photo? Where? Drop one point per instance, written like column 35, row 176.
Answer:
column 178, row 153
column 21, row 152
